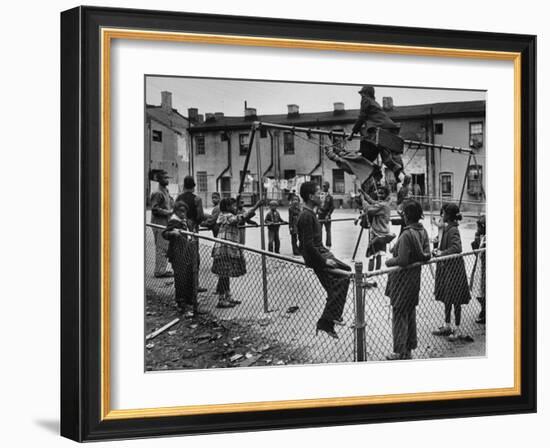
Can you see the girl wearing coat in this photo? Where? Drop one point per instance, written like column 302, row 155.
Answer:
column 451, row 282
column 229, row 261
column 403, row 286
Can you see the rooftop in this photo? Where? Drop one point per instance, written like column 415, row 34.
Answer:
column 398, row 113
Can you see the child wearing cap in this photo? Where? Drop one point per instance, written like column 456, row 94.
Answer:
column 273, row 222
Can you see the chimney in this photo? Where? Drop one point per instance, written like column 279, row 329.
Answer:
column 218, row 115
column 193, row 115
column 208, row 116
column 293, row 110
column 387, row 103
column 200, row 118
column 339, row 108
column 250, row 113
column 166, row 101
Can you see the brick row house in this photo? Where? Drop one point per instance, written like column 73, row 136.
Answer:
column 218, row 145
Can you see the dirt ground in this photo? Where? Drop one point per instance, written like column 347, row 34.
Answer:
column 247, row 335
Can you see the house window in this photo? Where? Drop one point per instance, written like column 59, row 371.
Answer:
column 446, row 184
column 476, row 135
column 243, row 144
column 338, row 182
column 317, row 179
column 157, row 136
column 475, row 180
column 202, row 181
column 200, row 144
column 438, row 128
column 290, row 174
column 288, row 143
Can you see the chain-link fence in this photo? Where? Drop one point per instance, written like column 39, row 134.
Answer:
column 437, row 296
column 281, row 301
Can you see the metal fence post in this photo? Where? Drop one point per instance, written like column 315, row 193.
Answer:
column 262, row 231
column 360, row 343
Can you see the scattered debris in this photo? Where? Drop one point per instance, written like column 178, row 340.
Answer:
column 236, row 357
column 150, row 346
column 249, row 361
column 203, row 336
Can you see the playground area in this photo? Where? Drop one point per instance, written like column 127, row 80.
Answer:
column 278, row 328
column 282, row 298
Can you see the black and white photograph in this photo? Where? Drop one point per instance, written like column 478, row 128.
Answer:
column 294, row 223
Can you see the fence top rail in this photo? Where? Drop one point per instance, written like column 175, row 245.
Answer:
column 433, row 260
column 284, row 223
column 250, row 249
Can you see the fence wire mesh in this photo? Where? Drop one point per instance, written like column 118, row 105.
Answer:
column 282, row 300
column 274, row 324
column 444, row 289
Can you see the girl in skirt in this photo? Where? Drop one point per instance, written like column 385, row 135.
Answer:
column 451, row 282
column 229, row 261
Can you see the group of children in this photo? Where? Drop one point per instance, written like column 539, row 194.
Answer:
column 412, row 246
column 227, row 222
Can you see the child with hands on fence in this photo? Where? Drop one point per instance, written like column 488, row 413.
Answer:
column 451, row 282
column 229, row 261
column 479, row 267
column 181, row 256
column 403, row 286
column 331, row 272
column 378, row 213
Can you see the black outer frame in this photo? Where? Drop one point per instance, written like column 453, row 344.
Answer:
column 81, row 223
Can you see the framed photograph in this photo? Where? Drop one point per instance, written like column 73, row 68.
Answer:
column 274, row 223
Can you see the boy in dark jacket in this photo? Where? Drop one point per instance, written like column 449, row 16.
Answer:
column 403, row 286
column 324, row 212
column 273, row 222
column 322, row 261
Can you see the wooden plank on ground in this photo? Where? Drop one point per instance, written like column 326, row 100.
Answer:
column 155, row 333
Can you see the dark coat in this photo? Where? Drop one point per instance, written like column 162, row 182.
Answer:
column 403, row 286
column 451, row 282
column 183, row 257
column 311, row 243
column 372, row 114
